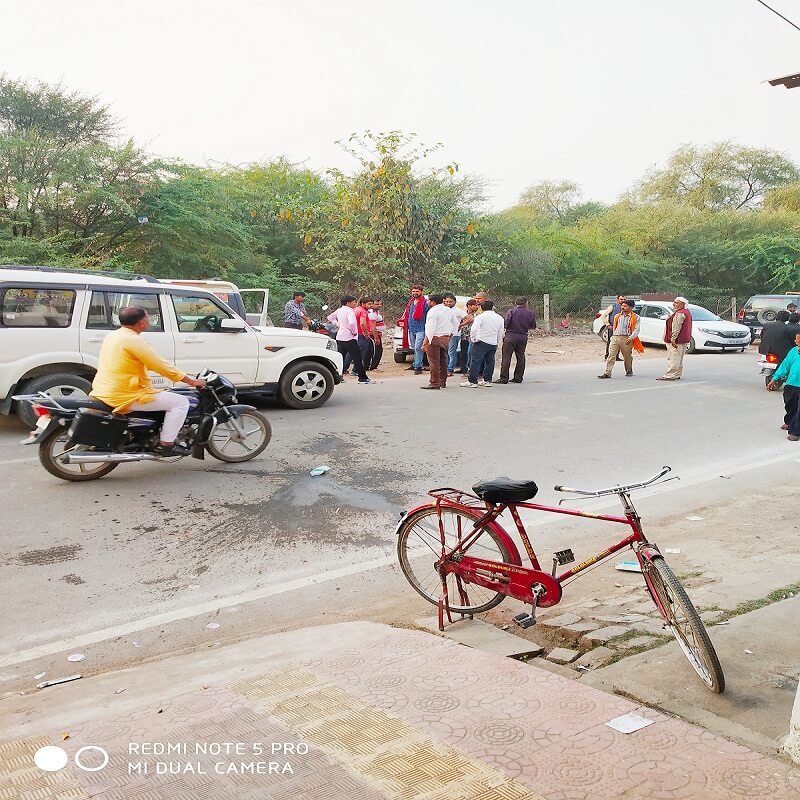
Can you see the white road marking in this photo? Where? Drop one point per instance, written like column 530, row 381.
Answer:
column 645, row 388
column 52, row 648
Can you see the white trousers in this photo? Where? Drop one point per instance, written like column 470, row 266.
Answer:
column 176, row 406
column 675, row 361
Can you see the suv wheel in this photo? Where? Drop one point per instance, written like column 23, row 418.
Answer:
column 306, row 384
column 767, row 315
column 400, row 358
column 58, row 385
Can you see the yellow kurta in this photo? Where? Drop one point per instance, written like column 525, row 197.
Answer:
column 122, row 377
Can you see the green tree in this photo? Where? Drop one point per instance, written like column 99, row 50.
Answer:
column 718, row 176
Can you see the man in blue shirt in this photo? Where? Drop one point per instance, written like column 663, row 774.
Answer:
column 790, row 369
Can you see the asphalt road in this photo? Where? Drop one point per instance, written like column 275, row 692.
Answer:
column 137, row 564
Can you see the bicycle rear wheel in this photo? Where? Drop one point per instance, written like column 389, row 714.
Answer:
column 419, row 547
column 684, row 622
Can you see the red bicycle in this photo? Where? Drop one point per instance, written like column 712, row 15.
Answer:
column 476, row 560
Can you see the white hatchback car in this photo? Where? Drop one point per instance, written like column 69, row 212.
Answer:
column 709, row 331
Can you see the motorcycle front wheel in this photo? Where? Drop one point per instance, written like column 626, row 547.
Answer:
column 52, row 451
column 240, row 439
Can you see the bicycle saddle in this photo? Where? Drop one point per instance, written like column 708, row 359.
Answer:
column 505, row 490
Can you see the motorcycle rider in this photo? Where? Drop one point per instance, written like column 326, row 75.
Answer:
column 122, row 381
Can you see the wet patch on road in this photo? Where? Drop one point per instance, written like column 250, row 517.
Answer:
column 52, row 555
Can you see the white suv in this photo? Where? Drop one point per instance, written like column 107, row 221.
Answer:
column 52, row 324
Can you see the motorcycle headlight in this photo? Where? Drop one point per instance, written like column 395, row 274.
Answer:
column 331, row 345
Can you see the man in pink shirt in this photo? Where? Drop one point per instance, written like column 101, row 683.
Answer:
column 347, row 335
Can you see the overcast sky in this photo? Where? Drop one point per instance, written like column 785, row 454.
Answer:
column 518, row 91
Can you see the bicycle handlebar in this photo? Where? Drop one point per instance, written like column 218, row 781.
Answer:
column 615, row 489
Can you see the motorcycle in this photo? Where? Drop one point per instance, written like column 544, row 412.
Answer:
column 324, row 328
column 768, row 364
column 81, row 440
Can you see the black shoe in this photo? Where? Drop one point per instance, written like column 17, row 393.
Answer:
column 418, row 372
column 171, row 450
column 502, row 380
column 603, row 376
column 429, row 386
column 628, row 374
column 514, row 380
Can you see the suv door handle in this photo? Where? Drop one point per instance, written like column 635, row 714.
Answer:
column 96, row 338
column 193, row 341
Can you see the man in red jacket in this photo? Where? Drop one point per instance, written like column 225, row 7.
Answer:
column 677, row 335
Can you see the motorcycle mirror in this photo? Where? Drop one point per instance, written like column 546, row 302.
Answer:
column 324, row 308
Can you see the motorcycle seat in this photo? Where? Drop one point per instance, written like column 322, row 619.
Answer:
column 505, row 490
column 66, row 402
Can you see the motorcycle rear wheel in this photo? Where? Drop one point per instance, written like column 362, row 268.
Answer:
column 55, row 446
column 227, row 444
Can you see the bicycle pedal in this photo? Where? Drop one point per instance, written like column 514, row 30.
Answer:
column 564, row 556
column 525, row 620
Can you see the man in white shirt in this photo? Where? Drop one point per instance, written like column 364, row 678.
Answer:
column 438, row 328
column 486, row 335
column 455, row 335
column 347, row 335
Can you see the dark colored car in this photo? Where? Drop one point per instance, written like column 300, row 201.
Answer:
column 761, row 308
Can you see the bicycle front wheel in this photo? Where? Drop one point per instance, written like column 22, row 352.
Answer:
column 684, row 622
column 419, row 547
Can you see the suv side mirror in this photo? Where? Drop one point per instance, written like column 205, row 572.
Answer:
column 234, row 325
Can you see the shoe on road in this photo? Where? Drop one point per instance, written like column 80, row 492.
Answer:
column 514, row 380
column 468, row 385
column 429, row 386
column 364, row 383
column 502, row 380
column 784, row 427
column 483, row 384
column 603, row 376
column 628, row 374
column 792, row 438
column 418, row 372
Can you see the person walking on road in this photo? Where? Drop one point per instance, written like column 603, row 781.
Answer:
column 455, row 336
column 486, row 335
column 518, row 321
column 608, row 316
column 347, row 335
column 624, row 335
column 438, row 327
column 294, row 312
column 790, row 370
column 414, row 325
column 677, row 335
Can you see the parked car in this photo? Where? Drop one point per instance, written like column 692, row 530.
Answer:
column 52, row 324
column 709, row 331
column 761, row 308
column 402, row 353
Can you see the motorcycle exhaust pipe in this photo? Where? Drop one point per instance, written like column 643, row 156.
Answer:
column 105, row 458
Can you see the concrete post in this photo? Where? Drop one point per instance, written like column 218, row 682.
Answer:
column 547, row 326
column 733, row 310
column 792, row 743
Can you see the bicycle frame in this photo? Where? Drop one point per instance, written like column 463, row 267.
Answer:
column 534, row 586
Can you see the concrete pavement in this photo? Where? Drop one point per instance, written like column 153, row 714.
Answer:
column 362, row 711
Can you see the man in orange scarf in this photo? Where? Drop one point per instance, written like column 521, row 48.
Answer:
column 624, row 337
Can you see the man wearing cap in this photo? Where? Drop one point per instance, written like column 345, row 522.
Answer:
column 624, row 337
column 677, row 335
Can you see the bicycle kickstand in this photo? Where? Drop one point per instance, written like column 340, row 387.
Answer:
column 525, row 620
column 444, row 605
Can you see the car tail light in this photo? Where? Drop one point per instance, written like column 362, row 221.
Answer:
column 400, row 323
column 772, row 358
column 41, row 411
column 741, row 313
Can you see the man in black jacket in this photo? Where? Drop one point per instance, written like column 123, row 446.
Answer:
column 777, row 337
